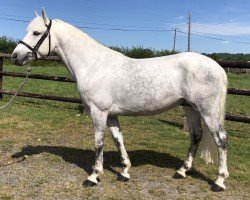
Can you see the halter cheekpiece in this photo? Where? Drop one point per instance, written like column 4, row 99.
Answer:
column 40, row 41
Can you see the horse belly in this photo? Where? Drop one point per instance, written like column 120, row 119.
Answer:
column 146, row 99
column 144, row 109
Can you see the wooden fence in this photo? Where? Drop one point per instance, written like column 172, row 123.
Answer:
column 224, row 64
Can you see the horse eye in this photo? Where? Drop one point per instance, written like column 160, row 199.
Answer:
column 36, row 33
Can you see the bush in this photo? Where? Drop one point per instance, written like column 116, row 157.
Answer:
column 7, row 45
column 141, row 52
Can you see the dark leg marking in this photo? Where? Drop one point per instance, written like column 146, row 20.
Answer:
column 196, row 139
column 222, row 142
column 98, row 151
column 117, row 143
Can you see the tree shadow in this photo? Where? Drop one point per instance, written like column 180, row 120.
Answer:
column 85, row 158
column 171, row 123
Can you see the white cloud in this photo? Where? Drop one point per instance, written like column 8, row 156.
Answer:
column 229, row 29
column 179, row 18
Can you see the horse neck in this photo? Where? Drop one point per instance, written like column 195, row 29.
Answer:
column 80, row 52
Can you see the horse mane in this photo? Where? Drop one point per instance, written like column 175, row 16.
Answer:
column 88, row 38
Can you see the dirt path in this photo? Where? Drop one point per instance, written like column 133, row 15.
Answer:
column 57, row 172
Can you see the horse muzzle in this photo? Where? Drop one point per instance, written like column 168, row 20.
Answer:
column 18, row 59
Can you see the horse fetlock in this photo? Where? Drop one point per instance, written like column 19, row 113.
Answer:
column 188, row 164
column 224, row 174
column 126, row 163
column 98, row 170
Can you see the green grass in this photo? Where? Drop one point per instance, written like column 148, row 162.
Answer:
column 61, row 142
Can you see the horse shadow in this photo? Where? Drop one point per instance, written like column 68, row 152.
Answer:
column 171, row 123
column 85, row 159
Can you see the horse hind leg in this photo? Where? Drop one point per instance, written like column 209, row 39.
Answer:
column 114, row 127
column 220, row 139
column 195, row 130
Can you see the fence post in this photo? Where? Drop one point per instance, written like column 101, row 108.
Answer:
column 1, row 77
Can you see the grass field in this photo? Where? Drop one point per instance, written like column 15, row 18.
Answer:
column 56, row 143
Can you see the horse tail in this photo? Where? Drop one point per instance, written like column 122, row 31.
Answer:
column 209, row 149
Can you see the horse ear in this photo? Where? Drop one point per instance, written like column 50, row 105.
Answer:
column 36, row 14
column 45, row 18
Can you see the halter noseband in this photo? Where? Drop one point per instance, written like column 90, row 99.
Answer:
column 39, row 43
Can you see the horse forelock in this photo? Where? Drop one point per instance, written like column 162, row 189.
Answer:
column 36, row 24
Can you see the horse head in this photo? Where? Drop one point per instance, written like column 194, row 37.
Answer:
column 38, row 42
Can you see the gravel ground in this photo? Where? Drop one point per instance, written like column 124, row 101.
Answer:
column 57, row 172
column 45, row 159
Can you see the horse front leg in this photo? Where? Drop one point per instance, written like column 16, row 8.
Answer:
column 115, row 129
column 99, row 119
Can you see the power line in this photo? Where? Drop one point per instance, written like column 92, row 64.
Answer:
column 9, row 15
column 127, row 30
column 137, row 30
column 83, row 22
column 100, row 28
column 116, row 25
column 11, row 19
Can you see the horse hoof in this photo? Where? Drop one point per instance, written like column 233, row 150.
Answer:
column 88, row 183
column 217, row 188
column 122, row 178
column 178, row 176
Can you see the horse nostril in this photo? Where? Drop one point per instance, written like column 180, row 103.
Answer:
column 14, row 57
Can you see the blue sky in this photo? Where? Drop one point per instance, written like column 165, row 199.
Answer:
column 224, row 25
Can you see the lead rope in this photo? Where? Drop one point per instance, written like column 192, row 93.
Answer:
column 28, row 71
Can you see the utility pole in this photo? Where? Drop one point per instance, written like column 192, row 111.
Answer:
column 185, row 127
column 175, row 30
column 189, row 31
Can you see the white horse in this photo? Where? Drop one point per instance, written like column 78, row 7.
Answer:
column 111, row 84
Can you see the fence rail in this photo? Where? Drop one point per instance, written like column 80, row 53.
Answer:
column 38, row 76
column 224, row 64
column 42, row 96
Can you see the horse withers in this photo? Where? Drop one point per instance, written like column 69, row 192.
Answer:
column 111, row 84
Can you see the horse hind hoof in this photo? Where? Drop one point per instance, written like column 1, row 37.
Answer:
column 89, row 183
column 122, row 178
column 178, row 176
column 217, row 188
